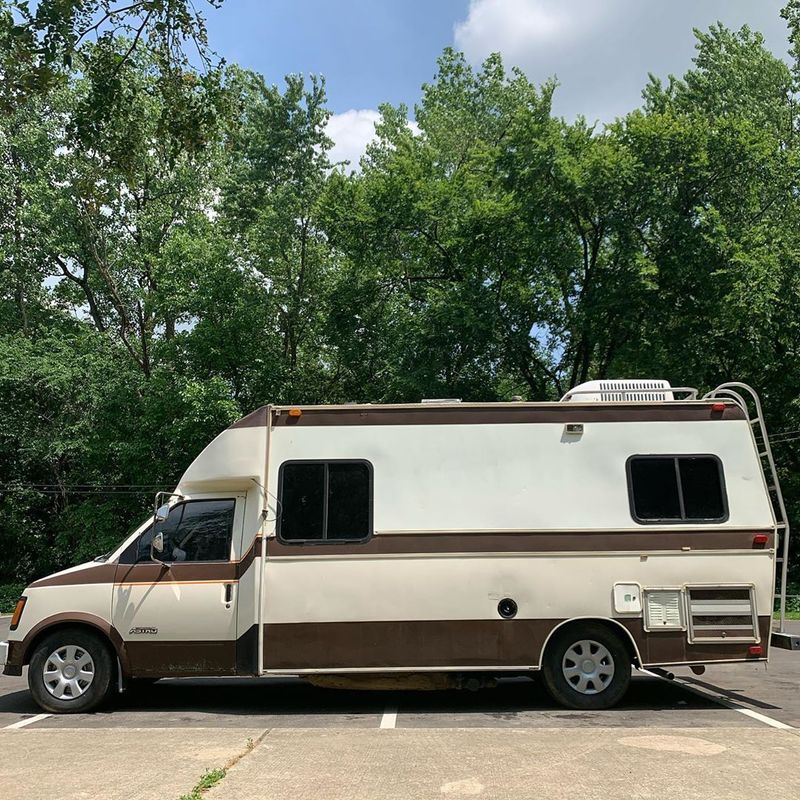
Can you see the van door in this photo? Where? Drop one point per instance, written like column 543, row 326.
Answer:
column 179, row 617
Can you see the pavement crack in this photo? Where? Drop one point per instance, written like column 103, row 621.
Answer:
column 251, row 745
column 211, row 779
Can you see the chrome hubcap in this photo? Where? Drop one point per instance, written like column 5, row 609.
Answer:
column 68, row 672
column 588, row 666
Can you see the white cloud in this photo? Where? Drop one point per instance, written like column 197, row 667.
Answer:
column 514, row 27
column 601, row 51
column 351, row 132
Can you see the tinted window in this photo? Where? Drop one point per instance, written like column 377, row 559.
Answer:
column 655, row 488
column 676, row 488
column 197, row 530
column 325, row 500
column 702, row 488
column 303, row 501
column 348, row 501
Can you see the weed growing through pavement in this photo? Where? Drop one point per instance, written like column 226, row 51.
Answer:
column 211, row 778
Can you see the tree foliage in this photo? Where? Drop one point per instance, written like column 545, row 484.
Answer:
column 176, row 248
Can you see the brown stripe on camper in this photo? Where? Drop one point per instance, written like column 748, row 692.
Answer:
column 331, row 646
column 460, row 643
column 674, row 411
column 182, row 658
column 100, row 573
column 526, row 542
column 154, row 572
column 188, row 571
column 255, row 419
column 672, row 647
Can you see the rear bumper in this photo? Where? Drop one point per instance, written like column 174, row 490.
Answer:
column 785, row 641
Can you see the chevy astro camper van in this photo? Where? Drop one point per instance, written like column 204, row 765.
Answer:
column 630, row 524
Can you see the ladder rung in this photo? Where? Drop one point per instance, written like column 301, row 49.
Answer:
column 755, row 421
column 765, row 453
column 780, row 524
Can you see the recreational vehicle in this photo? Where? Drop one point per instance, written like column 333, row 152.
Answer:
column 631, row 524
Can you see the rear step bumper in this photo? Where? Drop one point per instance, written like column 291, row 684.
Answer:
column 786, row 641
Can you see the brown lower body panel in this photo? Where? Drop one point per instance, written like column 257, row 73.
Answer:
column 331, row 646
column 461, row 643
column 672, row 647
column 180, row 659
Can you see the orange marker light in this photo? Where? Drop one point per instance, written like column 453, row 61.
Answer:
column 17, row 612
column 295, row 412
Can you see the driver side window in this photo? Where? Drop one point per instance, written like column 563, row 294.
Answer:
column 195, row 530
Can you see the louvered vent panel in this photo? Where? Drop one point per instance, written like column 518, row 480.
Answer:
column 622, row 391
column 722, row 613
column 663, row 610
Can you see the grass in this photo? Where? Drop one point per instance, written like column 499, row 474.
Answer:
column 789, row 614
column 211, row 778
column 9, row 594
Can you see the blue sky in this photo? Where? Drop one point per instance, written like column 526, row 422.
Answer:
column 374, row 51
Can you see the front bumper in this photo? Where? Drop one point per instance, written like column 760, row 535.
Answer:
column 10, row 665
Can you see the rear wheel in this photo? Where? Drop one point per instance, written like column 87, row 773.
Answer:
column 71, row 671
column 586, row 666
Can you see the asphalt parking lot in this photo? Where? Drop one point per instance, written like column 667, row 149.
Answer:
column 747, row 702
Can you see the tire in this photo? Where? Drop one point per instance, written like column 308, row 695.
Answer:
column 587, row 667
column 71, row 671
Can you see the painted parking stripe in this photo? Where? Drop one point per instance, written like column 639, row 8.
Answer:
column 389, row 718
column 29, row 721
column 723, row 701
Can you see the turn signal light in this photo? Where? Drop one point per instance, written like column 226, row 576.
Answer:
column 760, row 538
column 755, row 650
column 17, row 612
column 295, row 412
column 718, row 406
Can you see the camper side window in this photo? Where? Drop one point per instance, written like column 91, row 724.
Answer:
column 677, row 489
column 325, row 501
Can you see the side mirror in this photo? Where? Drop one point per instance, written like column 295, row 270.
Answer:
column 162, row 513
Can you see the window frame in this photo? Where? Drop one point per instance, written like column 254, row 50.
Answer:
column 134, row 546
column 683, row 520
column 325, row 541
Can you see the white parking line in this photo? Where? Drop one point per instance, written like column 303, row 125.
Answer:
column 29, row 721
column 723, row 701
column 389, row 718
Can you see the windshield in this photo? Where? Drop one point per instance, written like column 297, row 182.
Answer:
column 135, row 529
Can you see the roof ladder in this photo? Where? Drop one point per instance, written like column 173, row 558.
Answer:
column 748, row 400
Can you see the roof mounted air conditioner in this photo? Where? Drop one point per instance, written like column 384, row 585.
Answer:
column 620, row 390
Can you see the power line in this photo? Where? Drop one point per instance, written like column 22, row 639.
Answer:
column 108, row 489
column 90, row 485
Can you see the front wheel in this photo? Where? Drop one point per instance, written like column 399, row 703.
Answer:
column 586, row 666
column 71, row 671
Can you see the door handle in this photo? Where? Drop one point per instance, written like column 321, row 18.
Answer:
column 228, row 592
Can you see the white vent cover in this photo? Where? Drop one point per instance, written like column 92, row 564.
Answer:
column 662, row 610
column 620, row 391
column 440, row 400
